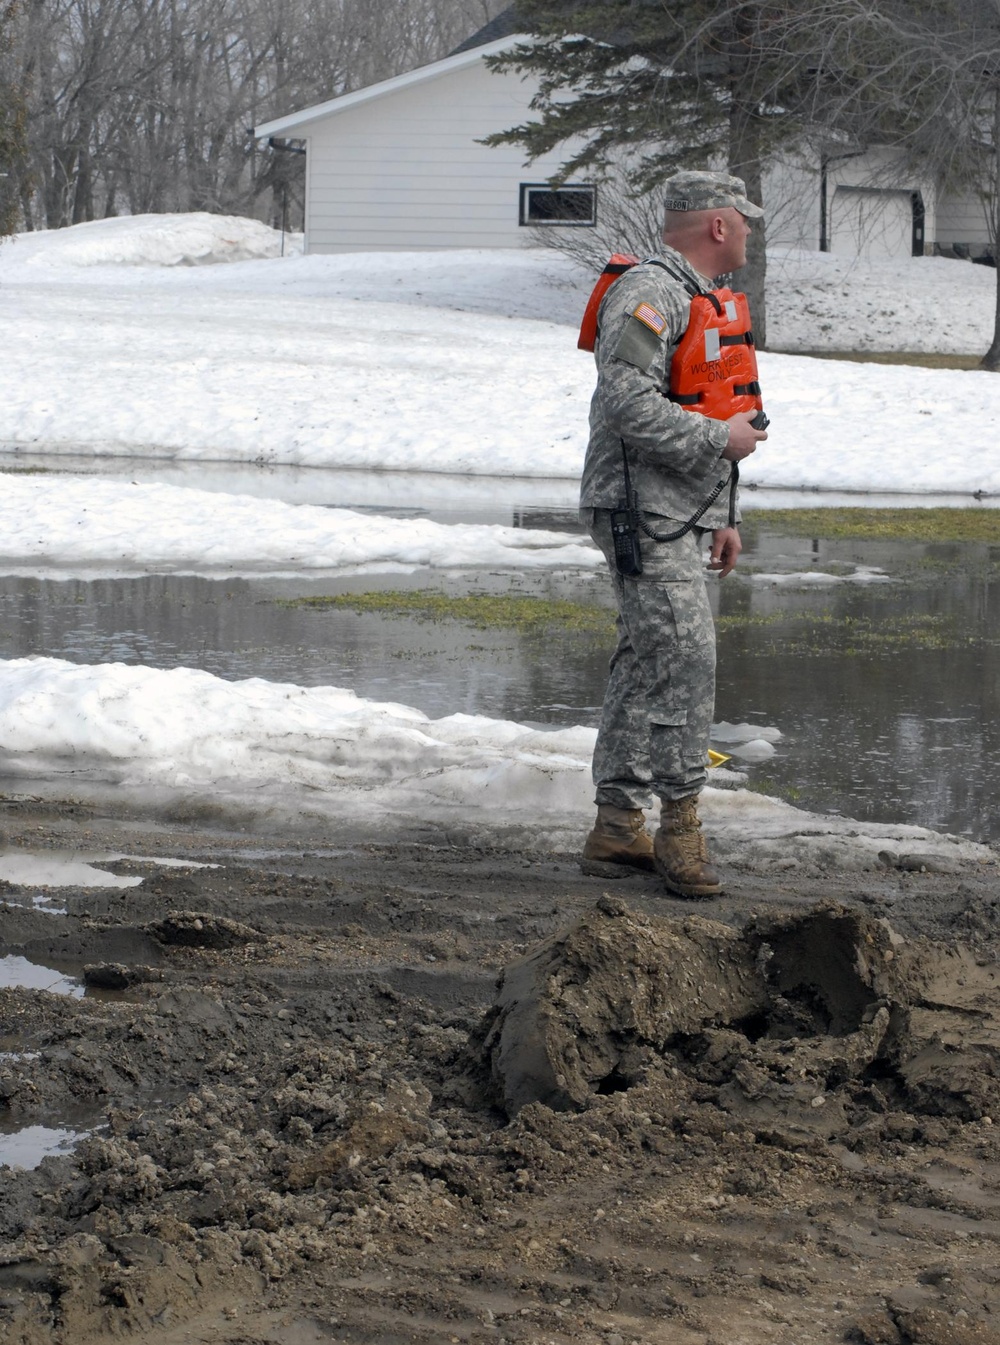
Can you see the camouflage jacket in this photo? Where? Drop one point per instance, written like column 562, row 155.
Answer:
column 674, row 456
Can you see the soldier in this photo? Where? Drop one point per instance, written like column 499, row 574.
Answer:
column 658, row 709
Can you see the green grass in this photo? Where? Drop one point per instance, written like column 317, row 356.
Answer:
column 481, row 610
column 916, row 525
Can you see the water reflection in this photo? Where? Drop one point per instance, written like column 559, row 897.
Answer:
column 888, row 694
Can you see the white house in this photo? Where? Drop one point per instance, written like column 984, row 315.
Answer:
column 869, row 206
column 399, row 166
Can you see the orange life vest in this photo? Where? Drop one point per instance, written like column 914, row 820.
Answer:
column 714, row 369
column 619, row 263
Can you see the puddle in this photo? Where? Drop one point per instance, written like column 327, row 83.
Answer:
column 18, row 972
column 25, row 1148
column 55, row 868
column 38, row 901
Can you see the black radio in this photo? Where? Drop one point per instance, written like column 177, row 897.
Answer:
column 628, row 558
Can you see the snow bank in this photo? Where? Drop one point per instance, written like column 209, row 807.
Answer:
column 86, row 524
column 196, row 239
column 821, row 301
column 263, row 746
column 185, row 740
column 858, row 427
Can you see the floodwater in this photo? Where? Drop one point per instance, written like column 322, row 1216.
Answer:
column 888, row 695
column 883, row 677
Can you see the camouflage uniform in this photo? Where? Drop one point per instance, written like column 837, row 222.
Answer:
column 658, row 709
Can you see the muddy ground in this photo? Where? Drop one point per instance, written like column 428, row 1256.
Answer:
column 767, row 1118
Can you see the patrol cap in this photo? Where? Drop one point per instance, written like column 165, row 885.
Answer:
column 693, row 190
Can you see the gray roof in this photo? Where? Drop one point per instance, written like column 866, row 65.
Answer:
column 505, row 24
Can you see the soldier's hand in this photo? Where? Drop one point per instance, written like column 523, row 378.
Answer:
column 726, row 547
column 743, row 438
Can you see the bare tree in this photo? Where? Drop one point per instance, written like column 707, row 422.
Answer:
column 13, row 113
column 920, row 78
column 146, row 105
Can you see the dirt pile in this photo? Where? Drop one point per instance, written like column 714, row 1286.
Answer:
column 789, row 1016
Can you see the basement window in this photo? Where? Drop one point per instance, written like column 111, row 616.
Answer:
column 573, row 205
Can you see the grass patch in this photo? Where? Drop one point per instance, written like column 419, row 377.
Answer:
column 826, row 633
column 483, row 611
column 822, row 632
column 749, row 621
column 910, row 525
column 774, row 789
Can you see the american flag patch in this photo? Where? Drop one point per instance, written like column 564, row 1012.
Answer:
column 654, row 321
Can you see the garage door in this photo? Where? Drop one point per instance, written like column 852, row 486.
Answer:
column 871, row 223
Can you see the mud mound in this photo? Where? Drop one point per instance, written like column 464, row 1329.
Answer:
column 784, row 1017
column 197, row 929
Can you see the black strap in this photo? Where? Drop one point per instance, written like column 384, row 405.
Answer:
column 747, row 389
column 632, row 500
column 692, row 286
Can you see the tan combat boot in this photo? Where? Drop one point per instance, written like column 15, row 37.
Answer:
column 619, row 842
column 680, row 852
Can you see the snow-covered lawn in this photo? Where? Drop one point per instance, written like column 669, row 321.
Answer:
column 128, row 338
column 460, row 362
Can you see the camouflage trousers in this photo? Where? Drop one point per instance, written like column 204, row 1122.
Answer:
column 660, row 699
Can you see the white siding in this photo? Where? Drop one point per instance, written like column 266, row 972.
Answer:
column 871, row 222
column 791, row 199
column 870, row 207
column 403, row 171
column 962, row 219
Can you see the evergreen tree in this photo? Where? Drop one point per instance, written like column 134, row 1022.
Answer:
column 669, row 84
column 686, row 84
